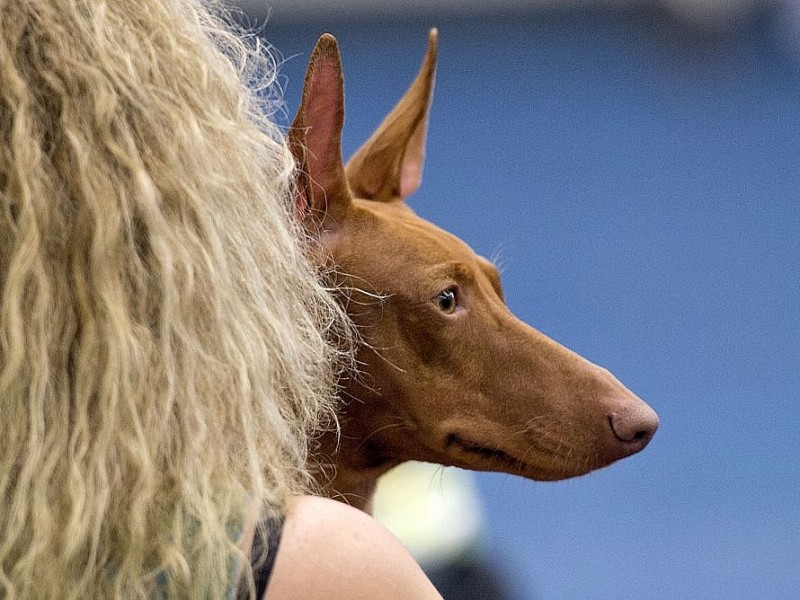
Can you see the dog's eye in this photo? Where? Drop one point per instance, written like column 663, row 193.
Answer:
column 446, row 301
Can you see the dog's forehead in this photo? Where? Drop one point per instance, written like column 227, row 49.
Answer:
column 388, row 245
column 394, row 229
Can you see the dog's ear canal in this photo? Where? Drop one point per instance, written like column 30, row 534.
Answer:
column 389, row 165
column 315, row 139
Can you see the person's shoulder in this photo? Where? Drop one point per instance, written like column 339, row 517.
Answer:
column 331, row 550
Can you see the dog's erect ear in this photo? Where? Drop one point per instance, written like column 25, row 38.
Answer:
column 389, row 165
column 315, row 138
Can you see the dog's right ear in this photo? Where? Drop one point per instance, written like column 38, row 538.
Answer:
column 315, row 138
column 389, row 165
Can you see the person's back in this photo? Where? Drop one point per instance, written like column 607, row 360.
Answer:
column 165, row 349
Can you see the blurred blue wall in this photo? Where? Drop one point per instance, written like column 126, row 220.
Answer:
column 639, row 182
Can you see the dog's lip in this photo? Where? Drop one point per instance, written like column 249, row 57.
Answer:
column 492, row 456
column 486, row 452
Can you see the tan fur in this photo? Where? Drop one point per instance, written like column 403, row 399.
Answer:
column 164, row 345
column 474, row 387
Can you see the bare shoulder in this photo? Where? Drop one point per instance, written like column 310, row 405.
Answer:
column 330, row 550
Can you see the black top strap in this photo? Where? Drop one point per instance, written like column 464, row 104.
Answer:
column 262, row 555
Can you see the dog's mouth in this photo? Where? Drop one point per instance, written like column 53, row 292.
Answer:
column 485, row 453
column 475, row 455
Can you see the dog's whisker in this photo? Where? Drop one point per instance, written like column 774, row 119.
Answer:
column 497, row 258
column 388, row 362
column 379, row 430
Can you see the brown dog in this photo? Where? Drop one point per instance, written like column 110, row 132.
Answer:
column 450, row 376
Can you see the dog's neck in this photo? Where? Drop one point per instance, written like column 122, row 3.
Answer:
column 351, row 468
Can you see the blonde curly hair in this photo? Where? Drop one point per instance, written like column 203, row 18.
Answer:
column 165, row 348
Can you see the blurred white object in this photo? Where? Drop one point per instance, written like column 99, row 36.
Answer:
column 434, row 510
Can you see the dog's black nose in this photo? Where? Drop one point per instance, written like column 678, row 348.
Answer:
column 636, row 426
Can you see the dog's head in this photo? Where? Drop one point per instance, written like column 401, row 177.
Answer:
column 450, row 375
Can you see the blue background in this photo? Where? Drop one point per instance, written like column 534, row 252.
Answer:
column 639, row 182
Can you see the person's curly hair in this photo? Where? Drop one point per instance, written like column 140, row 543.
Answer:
column 165, row 348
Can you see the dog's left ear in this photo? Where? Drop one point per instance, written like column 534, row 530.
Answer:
column 389, row 165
